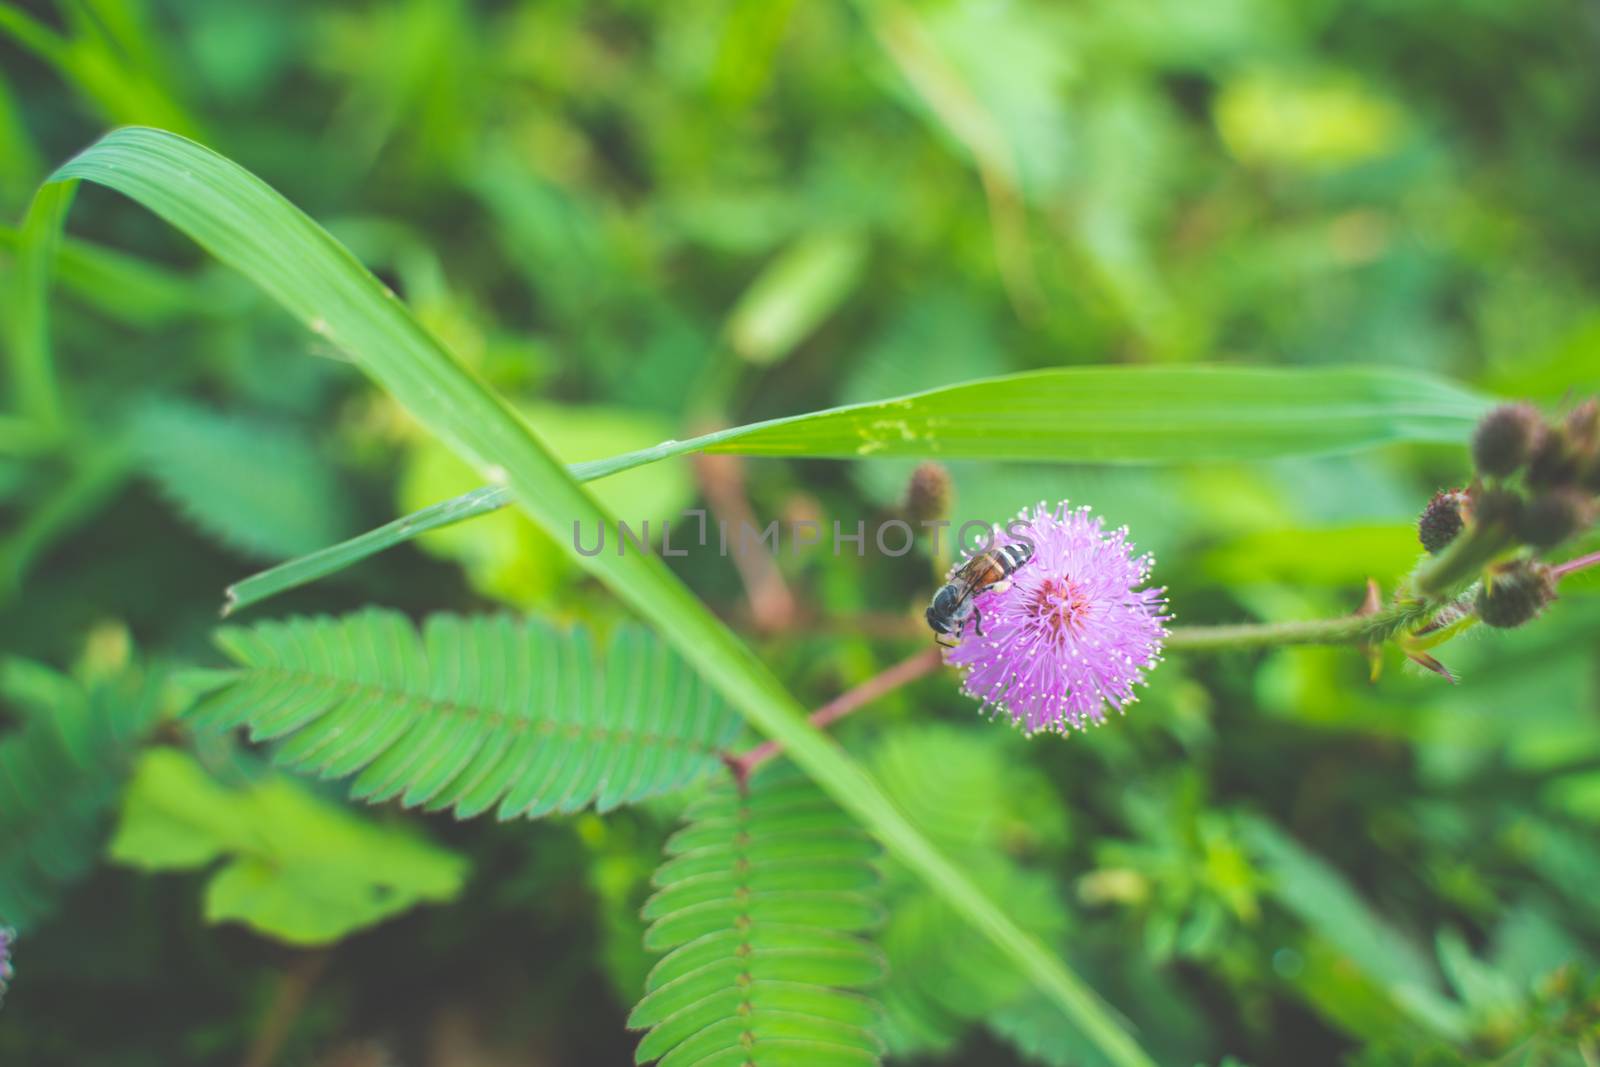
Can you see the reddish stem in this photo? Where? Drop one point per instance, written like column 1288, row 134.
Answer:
column 908, row 670
column 1572, row 566
column 772, row 605
column 294, row 987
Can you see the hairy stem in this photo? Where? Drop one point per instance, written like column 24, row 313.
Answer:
column 907, row 670
column 1404, row 615
column 1344, row 630
column 1444, row 576
column 1573, row 566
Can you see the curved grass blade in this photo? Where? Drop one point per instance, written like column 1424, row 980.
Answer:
column 1124, row 415
column 1142, row 414
column 246, row 224
column 325, row 561
column 33, row 373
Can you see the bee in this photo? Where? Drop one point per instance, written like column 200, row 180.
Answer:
column 988, row 571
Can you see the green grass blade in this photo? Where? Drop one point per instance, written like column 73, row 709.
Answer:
column 1187, row 414
column 126, row 288
column 1146, row 414
column 33, row 375
column 325, row 561
column 247, row 225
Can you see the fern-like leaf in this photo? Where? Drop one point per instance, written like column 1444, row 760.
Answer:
column 474, row 712
column 254, row 486
column 60, row 773
column 759, row 902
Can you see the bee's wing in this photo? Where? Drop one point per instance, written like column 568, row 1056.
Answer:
column 974, row 573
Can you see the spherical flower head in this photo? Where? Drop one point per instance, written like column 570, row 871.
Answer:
column 1441, row 520
column 1073, row 633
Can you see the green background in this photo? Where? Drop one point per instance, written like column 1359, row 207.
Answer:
column 640, row 222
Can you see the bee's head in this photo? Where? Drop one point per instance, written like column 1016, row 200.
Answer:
column 945, row 609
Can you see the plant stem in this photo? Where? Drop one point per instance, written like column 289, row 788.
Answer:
column 721, row 477
column 294, row 987
column 1573, row 566
column 1442, row 577
column 907, row 670
column 1344, row 630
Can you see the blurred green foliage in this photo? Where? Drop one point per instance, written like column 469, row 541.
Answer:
column 640, row 221
column 299, row 868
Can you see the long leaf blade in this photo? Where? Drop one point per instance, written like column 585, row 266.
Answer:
column 1124, row 415
column 330, row 560
column 1177, row 414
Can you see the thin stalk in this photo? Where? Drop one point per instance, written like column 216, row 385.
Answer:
column 288, row 1000
column 1399, row 617
column 1344, row 630
column 1573, row 566
column 33, row 372
column 1444, row 576
column 907, row 670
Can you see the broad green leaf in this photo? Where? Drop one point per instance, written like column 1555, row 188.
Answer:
column 250, row 227
column 794, row 294
column 297, row 867
column 1269, row 118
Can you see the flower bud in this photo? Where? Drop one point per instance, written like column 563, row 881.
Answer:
column 1441, row 520
column 929, row 493
column 1583, row 424
column 1514, row 592
column 1553, row 516
column 1555, row 461
column 1590, row 478
column 1504, row 439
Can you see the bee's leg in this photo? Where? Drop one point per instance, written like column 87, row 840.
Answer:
column 999, row 587
column 977, row 620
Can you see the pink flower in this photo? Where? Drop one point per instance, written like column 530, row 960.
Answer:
column 1072, row 633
